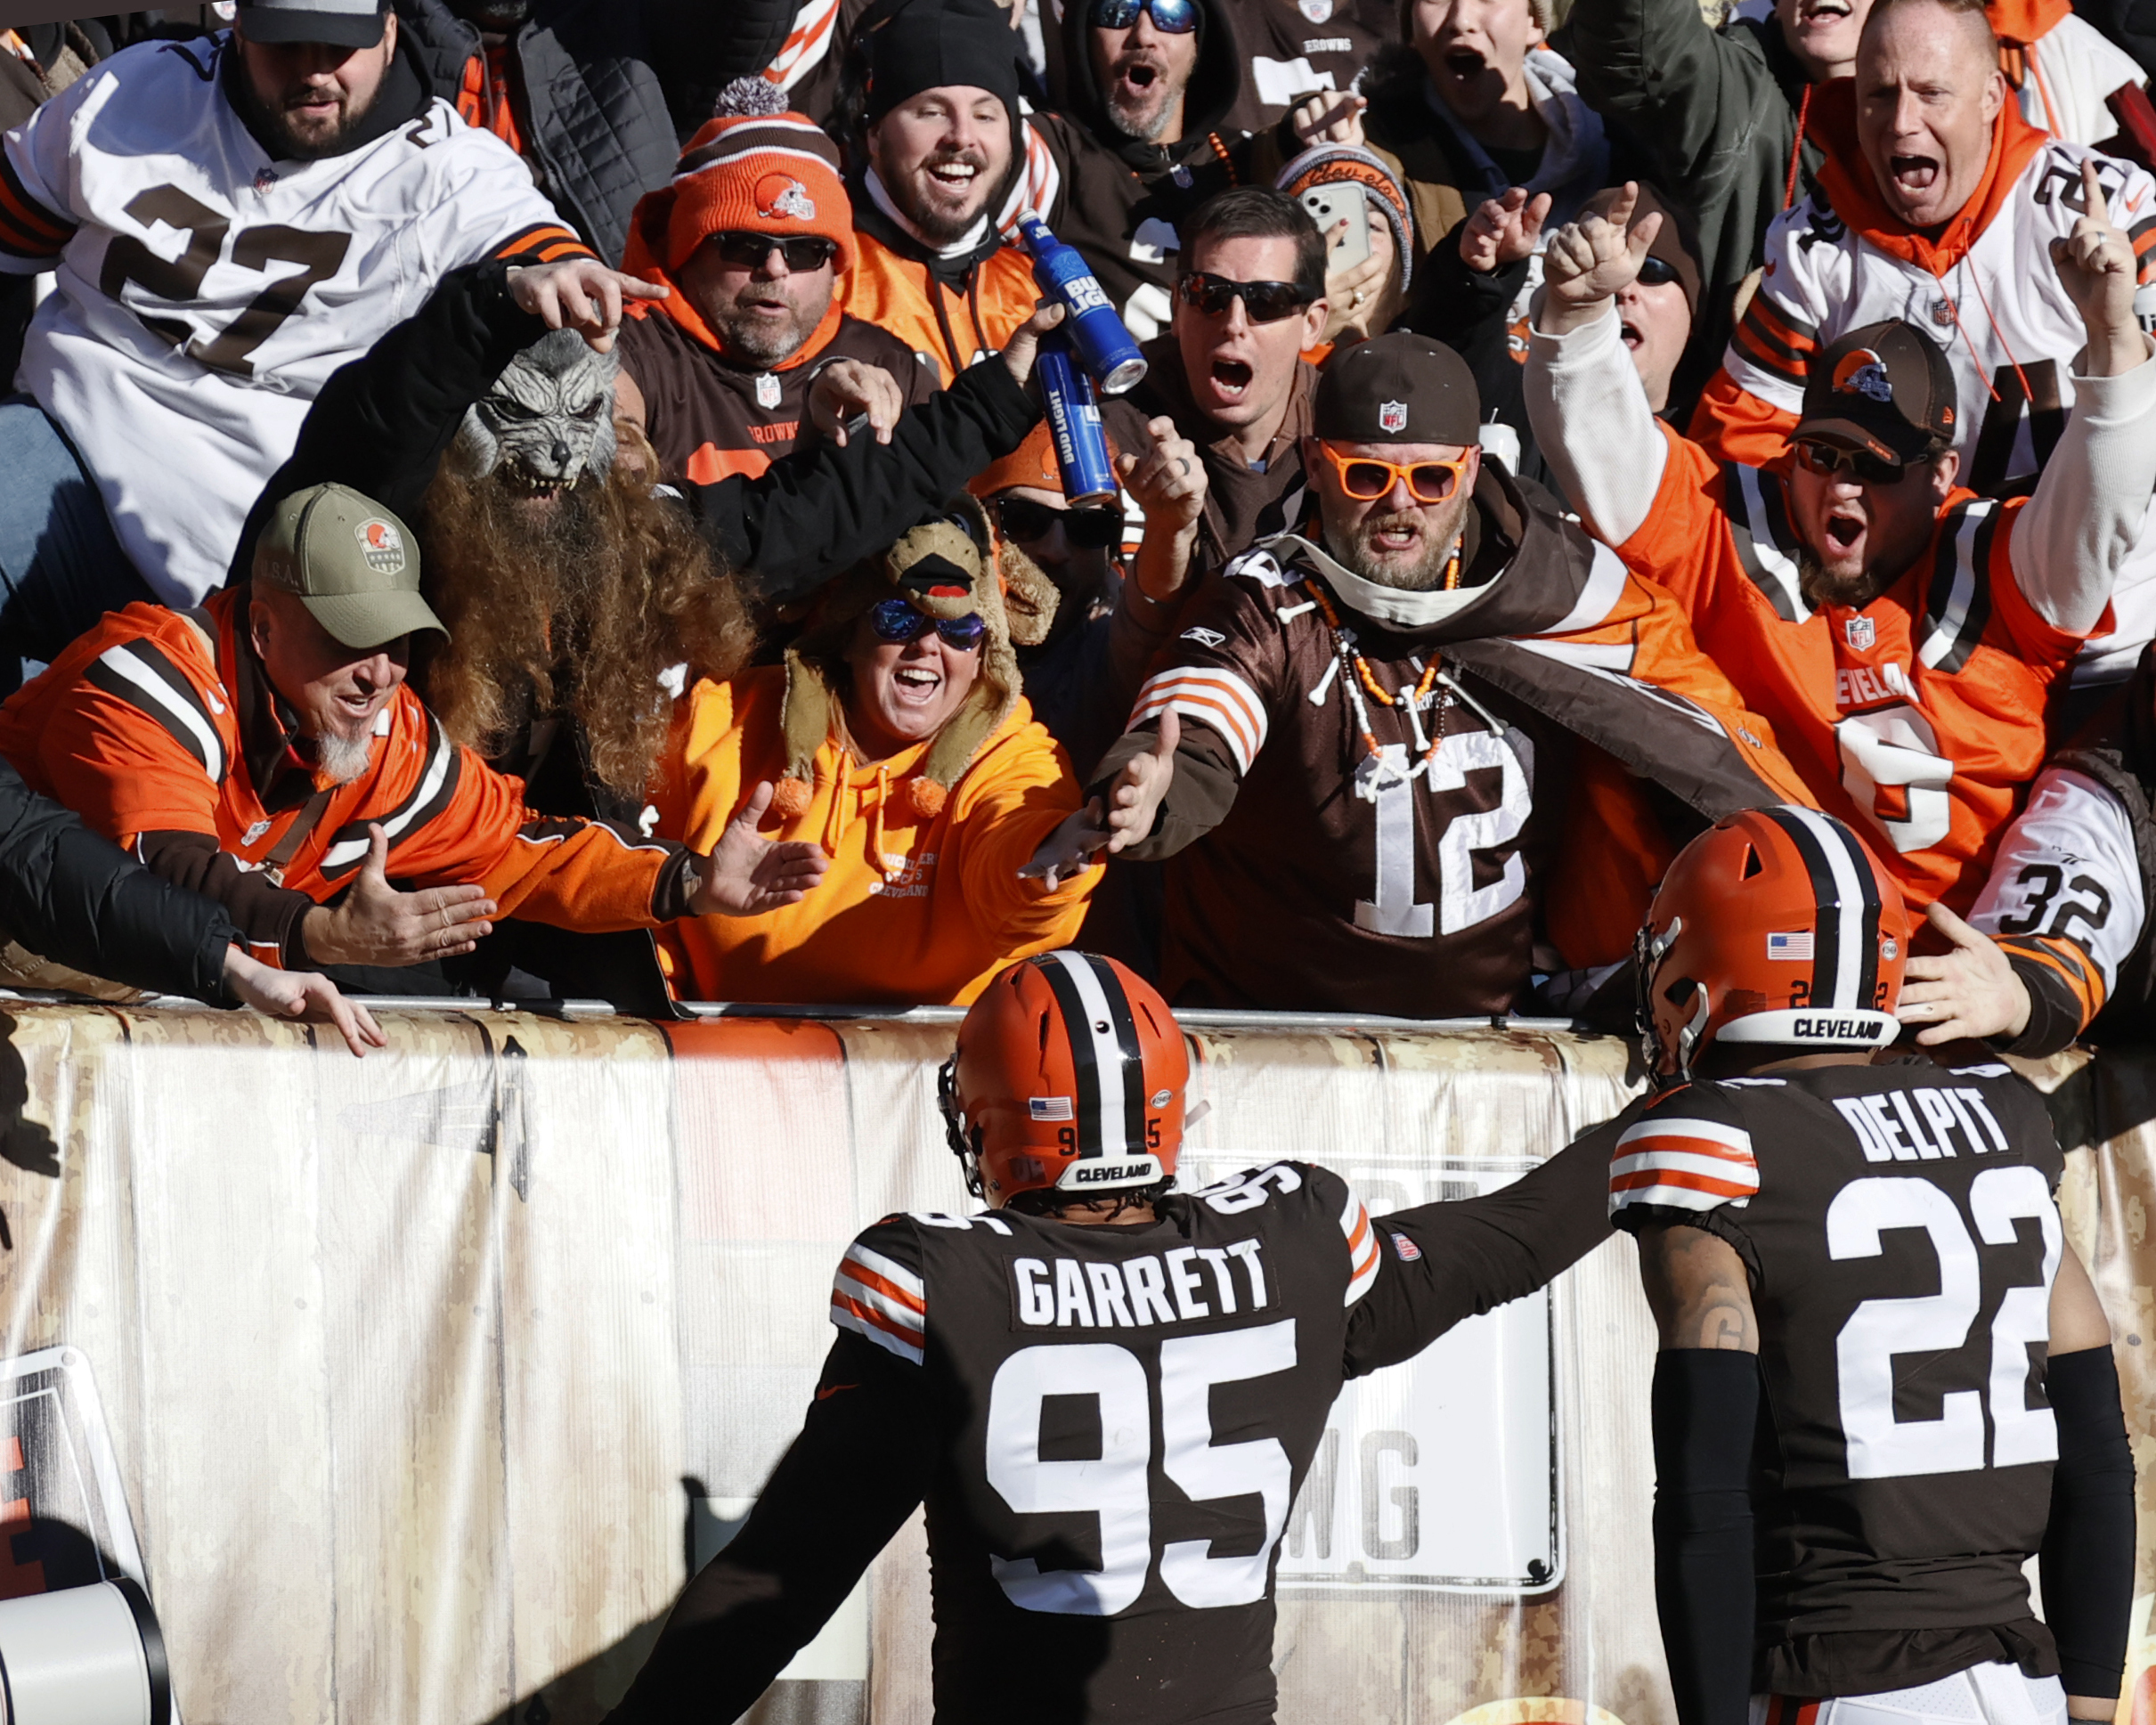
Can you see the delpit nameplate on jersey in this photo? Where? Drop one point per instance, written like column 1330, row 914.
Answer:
column 1381, row 1506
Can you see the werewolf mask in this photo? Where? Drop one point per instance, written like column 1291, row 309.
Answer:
column 546, row 422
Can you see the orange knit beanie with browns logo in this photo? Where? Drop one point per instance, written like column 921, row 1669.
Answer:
column 755, row 167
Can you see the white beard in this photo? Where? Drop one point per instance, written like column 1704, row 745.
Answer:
column 341, row 759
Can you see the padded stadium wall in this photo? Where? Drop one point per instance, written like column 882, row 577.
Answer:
column 411, row 1387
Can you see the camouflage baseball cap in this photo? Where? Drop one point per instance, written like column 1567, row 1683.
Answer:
column 349, row 561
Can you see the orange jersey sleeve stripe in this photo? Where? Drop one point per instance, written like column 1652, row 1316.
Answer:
column 28, row 229
column 854, row 1308
column 885, row 1286
column 546, row 240
column 1685, row 1178
column 2084, row 980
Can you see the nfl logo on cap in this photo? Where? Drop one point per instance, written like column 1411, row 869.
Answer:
column 1392, row 416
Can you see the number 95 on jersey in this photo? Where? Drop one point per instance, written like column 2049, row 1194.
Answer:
column 1442, row 1474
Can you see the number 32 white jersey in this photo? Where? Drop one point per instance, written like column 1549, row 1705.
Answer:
column 206, row 293
column 1898, row 1226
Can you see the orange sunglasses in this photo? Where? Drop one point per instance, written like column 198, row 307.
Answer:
column 1366, row 479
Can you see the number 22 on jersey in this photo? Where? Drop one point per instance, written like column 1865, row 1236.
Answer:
column 1879, row 1445
column 1116, row 1487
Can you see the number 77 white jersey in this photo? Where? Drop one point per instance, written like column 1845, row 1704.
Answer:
column 205, row 293
column 1897, row 1226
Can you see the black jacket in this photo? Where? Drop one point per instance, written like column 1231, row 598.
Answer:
column 382, row 423
column 1113, row 186
column 594, row 122
column 79, row 900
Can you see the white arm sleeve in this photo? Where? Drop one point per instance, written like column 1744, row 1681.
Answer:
column 1590, row 415
column 2068, row 867
column 2089, row 507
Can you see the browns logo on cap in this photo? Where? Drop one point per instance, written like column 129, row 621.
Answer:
column 1886, row 389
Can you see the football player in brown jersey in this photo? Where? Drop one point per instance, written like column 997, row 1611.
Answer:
column 1884, row 1379
column 1013, row 1367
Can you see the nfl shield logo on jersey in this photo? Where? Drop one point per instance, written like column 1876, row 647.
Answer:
column 767, row 390
column 1859, row 633
column 381, row 545
column 1392, row 416
column 1316, row 11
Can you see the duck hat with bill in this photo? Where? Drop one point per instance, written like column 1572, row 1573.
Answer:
column 351, row 563
column 1068, row 1078
column 1775, row 925
column 947, row 567
column 1886, row 390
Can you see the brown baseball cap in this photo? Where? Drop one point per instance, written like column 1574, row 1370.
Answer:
column 349, row 561
column 1885, row 389
column 1400, row 388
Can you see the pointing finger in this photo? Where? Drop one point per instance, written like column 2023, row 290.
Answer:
column 2094, row 205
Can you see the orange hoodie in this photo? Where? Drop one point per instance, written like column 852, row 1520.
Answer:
column 915, row 909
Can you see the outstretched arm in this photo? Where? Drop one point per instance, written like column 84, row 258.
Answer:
column 1473, row 1255
column 856, row 1472
column 2086, row 516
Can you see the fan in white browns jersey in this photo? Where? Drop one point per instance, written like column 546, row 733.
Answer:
column 1947, row 221
column 1010, row 1369
column 2059, row 941
column 230, row 220
column 1884, row 1382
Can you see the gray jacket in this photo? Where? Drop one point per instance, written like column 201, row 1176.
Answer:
column 595, row 125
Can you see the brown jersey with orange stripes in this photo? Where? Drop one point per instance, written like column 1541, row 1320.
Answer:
column 1897, row 1229
column 160, row 730
column 1108, row 1426
column 1400, row 795
column 1918, row 719
column 709, row 417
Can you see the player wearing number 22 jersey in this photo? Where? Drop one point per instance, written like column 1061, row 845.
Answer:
column 1108, row 1421
column 1844, row 1519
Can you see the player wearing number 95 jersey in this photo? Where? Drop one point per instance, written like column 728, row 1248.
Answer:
column 1107, row 1393
column 1884, row 1380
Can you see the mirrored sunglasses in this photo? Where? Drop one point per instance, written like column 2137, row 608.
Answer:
column 896, row 621
column 1090, row 530
column 1263, row 302
column 803, row 252
column 1170, row 17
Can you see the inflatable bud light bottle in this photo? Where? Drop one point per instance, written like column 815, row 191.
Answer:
column 1074, row 421
column 1097, row 334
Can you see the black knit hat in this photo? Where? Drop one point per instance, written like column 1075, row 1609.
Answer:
column 931, row 45
column 1886, row 389
column 1401, row 388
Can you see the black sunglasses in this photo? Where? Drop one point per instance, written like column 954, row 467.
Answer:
column 896, row 621
column 1829, row 460
column 1263, row 302
column 1090, row 530
column 1170, row 17
column 803, row 252
column 1657, row 273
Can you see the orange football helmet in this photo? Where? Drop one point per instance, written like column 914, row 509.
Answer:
column 1777, row 926
column 1068, row 1075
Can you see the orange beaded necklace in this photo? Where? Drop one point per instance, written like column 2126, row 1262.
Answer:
column 1364, row 679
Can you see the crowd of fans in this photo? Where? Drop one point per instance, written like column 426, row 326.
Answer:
column 550, row 498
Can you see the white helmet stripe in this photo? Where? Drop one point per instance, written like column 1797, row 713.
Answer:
column 1851, row 873
column 1098, row 1028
